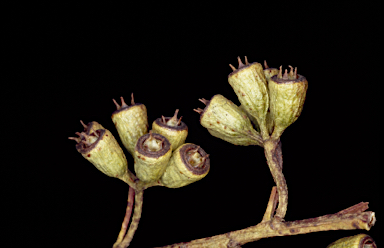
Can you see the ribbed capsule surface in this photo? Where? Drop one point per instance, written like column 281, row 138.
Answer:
column 185, row 166
column 287, row 98
column 150, row 163
column 105, row 154
column 226, row 121
column 250, row 86
column 131, row 123
column 358, row 241
column 176, row 133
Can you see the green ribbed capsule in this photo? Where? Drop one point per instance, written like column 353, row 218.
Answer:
column 189, row 163
column 250, row 86
column 131, row 123
column 287, row 95
column 101, row 149
column 152, row 153
column 171, row 128
column 358, row 241
column 226, row 121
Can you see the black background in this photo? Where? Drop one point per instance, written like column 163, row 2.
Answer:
column 69, row 62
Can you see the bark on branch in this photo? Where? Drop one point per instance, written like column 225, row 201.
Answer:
column 348, row 219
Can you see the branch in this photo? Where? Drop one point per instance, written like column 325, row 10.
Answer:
column 272, row 151
column 348, row 219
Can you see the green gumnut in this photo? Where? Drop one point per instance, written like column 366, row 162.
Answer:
column 287, row 95
column 152, row 153
column 131, row 123
column 226, row 121
column 189, row 163
column 250, row 86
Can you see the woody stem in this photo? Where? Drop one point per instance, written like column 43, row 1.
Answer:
column 272, row 152
column 135, row 220
column 348, row 219
column 124, row 225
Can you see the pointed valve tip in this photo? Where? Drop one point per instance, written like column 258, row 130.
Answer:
column 85, row 126
column 232, row 67
column 265, row 65
column 204, row 101
column 123, row 104
column 291, row 72
column 78, row 139
column 117, row 105
column 285, row 76
column 280, row 72
column 179, row 121
column 176, row 112
column 246, row 60
column 240, row 63
column 173, row 120
column 163, row 119
column 132, row 99
column 198, row 110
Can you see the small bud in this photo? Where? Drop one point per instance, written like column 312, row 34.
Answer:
column 189, row 163
column 173, row 129
column 226, row 121
column 250, row 86
column 101, row 149
column 152, row 153
column 287, row 95
column 131, row 122
column 358, row 241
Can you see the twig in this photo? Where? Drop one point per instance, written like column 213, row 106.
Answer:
column 135, row 220
column 272, row 151
column 124, row 225
column 347, row 219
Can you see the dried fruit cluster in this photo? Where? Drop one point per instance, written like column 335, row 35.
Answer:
column 270, row 99
column 161, row 156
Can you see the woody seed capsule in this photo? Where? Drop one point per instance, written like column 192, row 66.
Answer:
column 226, row 121
column 152, row 153
column 173, row 129
column 287, row 95
column 131, row 123
column 250, row 86
column 189, row 163
column 101, row 149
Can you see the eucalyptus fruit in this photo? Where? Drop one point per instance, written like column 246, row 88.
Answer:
column 152, row 153
column 189, row 163
column 287, row 95
column 101, row 149
column 357, row 241
column 131, row 122
column 172, row 128
column 226, row 121
column 250, row 86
